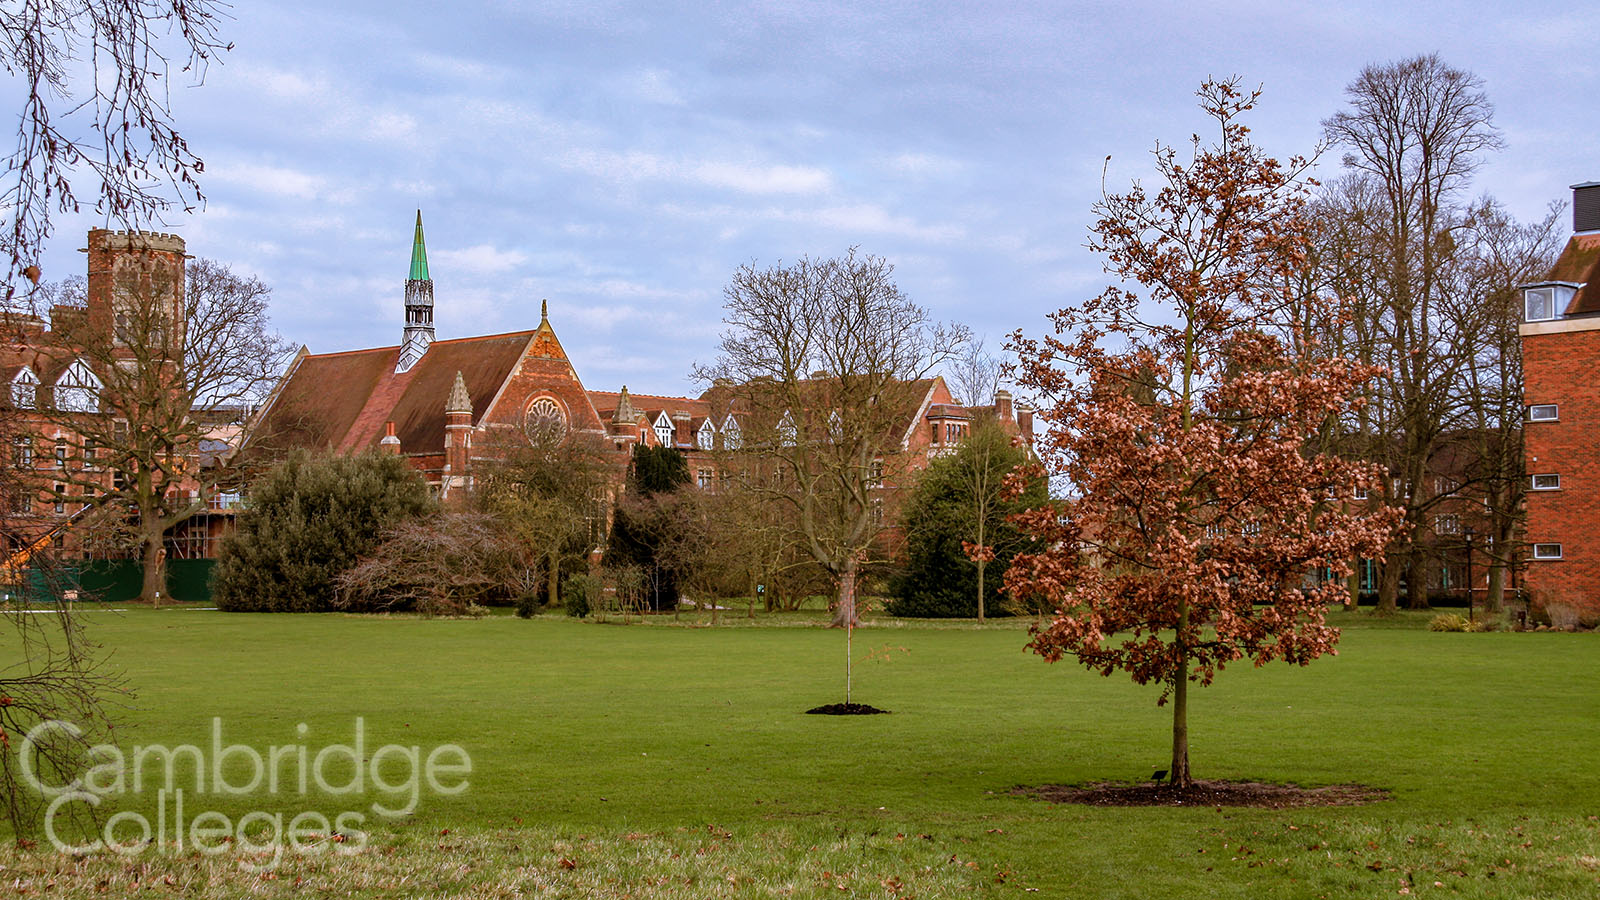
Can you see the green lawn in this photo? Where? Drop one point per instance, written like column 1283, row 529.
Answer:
column 664, row 761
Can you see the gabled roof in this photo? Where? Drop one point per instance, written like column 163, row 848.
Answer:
column 343, row 400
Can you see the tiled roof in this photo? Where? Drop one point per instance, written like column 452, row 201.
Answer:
column 1577, row 265
column 343, row 400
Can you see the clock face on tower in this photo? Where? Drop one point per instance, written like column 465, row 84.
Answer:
column 545, row 421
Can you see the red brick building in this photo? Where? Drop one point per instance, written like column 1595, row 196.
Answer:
column 439, row 402
column 56, row 394
column 1560, row 361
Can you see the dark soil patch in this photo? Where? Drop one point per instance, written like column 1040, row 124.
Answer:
column 1205, row 793
column 846, row 709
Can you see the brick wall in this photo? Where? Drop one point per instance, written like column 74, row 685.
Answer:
column 1561, row 365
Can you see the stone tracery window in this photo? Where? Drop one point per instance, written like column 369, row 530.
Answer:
column 545, row 420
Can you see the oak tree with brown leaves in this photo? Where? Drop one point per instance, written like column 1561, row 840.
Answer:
column 1201, row 528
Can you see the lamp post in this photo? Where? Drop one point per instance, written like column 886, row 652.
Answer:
column 1469, row 533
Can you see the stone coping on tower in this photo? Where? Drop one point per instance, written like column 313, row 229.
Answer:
column 136, row 240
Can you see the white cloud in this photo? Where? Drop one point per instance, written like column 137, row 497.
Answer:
column 764, row 179
column 277, row 180
column 747, row 178
column 481, row 259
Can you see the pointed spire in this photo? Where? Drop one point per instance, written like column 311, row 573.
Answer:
column 625, row 411
column 419, row 254
column 460, row 401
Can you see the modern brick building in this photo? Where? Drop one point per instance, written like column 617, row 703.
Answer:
column 1561, row 362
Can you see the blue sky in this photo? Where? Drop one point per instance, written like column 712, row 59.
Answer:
column 621, row 160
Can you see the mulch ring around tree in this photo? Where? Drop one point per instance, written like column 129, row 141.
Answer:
column 846, row 709
column 1205, row 793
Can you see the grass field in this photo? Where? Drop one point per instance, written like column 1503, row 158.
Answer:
column 664, row 760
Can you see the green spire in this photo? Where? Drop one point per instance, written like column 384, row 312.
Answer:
column 419, row 254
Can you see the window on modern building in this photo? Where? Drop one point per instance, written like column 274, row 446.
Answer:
column 1546, row 551
column 1539, row 304
column 1542, row 412
column 1547, row 482
column 22, row 452
column 1447, row 523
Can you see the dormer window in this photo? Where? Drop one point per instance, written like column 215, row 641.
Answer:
column 664, row 429
column 25, row 389
column 706, row 437
column 787, row 433
column 730, row 433
column 1544, row 302
column 78, row 390
column 1540, row 304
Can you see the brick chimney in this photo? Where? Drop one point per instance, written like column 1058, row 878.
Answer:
column 390, row 444
column 1002, row 405
column 1025, row 421
column 680, row 429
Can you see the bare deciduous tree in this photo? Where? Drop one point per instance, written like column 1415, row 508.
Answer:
column 95, row 80
column 1414, row 133
column 826, row 359
column 974, row 375
column 160, row 364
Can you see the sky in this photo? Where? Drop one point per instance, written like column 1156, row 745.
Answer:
column 622, row 160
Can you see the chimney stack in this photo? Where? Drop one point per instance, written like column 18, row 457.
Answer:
column 1002, row 405
column 390, row 444
column 1586, row 206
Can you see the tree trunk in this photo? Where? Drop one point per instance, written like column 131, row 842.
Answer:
column 844, row 615
column 1352, row 600
column 1417, row 582
column 1494, row 598
column 552, row 579
column 1389, row 585
column 1179, row 773
column 980, row 590
column 155, row 582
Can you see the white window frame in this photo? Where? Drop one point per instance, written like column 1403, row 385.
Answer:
column 1447, row 523
column 78, row 390
column 730, row 433
column 663, row 429
column 787, row 433
column 1533, row 414
column 1534, row 485
column 1360, row 493
column 706, row 437
column 25, row 389
column 1548, row 295
column 1542, row 550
